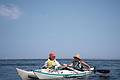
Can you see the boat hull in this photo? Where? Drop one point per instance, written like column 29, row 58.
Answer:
column 57, row 74
column 50, row 74
column 26, row 75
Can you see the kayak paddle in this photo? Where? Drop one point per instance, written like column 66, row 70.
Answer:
column 101, row 71
column 105, row 71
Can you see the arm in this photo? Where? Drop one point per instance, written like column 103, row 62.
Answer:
column 57, row 64
column 71, row 64
column 45, row 65
column 68, row 65
column 85, row 64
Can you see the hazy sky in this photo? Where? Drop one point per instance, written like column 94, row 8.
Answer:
column 33, row 28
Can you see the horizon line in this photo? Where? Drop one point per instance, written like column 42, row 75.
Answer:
column 57, row 58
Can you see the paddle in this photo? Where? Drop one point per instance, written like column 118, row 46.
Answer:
column 76, row 71
column 102, row 71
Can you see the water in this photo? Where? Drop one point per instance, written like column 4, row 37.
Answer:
column 8, row 71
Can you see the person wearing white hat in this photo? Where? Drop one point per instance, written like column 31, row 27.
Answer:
column 79, row 64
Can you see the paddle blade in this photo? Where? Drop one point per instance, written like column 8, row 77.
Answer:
column 105, row 71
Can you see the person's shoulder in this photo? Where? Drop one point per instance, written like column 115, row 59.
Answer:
column 47, row 60
column 56, row 60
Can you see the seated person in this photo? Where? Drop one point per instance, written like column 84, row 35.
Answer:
column 78, row 63
column 51, row 63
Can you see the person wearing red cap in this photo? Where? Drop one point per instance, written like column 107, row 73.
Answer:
column 51, row 63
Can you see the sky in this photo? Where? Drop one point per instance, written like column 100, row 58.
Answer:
column 30, row 29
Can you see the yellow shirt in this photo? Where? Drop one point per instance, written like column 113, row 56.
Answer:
column 51, row 64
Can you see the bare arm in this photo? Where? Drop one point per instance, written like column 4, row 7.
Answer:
column 45, row 65
column 57, row 64
column 85, row 64
column 70, row 64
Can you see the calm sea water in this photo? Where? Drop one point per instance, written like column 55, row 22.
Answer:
column 8, row 71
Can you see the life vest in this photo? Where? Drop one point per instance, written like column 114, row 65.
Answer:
column 77, row 65
column 51, row 64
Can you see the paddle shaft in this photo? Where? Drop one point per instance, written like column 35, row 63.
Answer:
column 76, row 71
column 103, row 71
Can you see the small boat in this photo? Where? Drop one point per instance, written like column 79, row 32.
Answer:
column 57, row 74
column 51, row 74
column 26, row 75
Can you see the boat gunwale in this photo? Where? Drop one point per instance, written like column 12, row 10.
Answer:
column 64, row 75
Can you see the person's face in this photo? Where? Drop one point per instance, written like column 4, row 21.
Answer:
column 52, row 57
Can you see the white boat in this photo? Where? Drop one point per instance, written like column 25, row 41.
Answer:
column 51, row 74
column 56, row 74
column 26, row 75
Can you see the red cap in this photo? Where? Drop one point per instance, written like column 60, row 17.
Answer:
column 52, row 54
